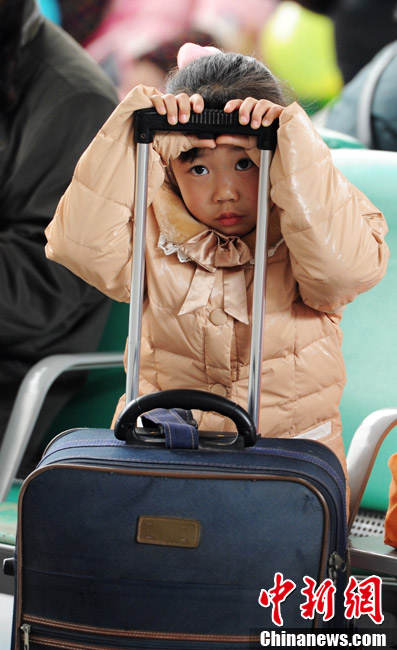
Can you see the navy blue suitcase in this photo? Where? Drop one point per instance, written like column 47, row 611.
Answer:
column 133, row 545
column 149, row 537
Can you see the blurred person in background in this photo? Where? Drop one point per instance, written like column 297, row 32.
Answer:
column 132, row 29
column 81, row 18
column 152, row 67
column 53, row 99
column 236, row 25
column 367, row 106
column 362, row 28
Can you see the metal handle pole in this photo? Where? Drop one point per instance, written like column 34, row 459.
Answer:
column 137, row 274
column 259, row 297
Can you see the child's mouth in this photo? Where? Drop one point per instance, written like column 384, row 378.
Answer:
column 229, row 218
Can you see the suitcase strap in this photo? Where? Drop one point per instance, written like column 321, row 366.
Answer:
column 177, row 425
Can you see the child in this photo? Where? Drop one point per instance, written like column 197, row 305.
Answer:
column 326, row 245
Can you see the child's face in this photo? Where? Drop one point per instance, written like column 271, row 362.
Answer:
column 220, row 188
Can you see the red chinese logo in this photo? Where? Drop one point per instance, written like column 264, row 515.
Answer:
column 319, row 600
column 364, row 597
column 282, row 588
column 360, row 598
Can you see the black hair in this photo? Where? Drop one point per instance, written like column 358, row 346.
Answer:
column 221, row 77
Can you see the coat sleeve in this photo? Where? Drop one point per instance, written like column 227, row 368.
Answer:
column 41, row 303
column 92, row 229
column 335, row 235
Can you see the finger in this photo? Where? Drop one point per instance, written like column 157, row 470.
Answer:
column 260, row 112
column 183, row 104
column 272, row 114
column 246, row 109
column 171, row 108
column 158, row 103
column 197, row 103
column 232, row 105
column 244, row 141
column 201, row 143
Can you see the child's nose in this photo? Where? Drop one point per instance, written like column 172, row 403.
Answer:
column 225, row 190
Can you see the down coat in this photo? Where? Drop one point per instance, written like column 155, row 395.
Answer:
column 326, row 245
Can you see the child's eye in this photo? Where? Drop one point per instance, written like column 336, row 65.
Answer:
column 199, row 170
column 243, row 164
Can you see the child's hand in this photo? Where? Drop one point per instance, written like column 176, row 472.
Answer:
column 256, row 113
column 177, row 108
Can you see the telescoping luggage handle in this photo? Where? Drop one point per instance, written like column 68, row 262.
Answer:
column 208, row 124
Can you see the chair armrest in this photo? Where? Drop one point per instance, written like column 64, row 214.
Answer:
column 372, row 555
column 30, row 398
column 363, row 451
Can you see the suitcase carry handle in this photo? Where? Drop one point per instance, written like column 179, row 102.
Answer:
column 187, row 399
column 208, row 124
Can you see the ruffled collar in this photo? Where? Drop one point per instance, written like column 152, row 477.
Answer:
column 211, row 250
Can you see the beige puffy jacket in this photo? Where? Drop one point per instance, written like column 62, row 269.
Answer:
column 326, row 246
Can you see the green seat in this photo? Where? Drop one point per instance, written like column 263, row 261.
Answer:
column 96, row 401
column 8, row 516
column 369, row 343
column 337, row 140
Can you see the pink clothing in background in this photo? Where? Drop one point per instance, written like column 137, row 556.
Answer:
column 133, row 27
